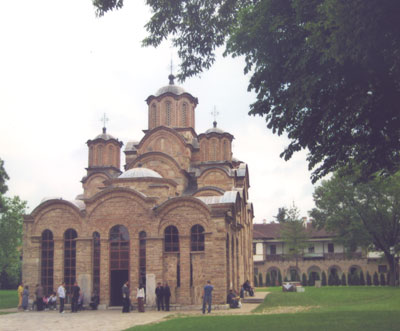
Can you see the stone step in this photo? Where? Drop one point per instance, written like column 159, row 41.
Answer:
column 252, row 300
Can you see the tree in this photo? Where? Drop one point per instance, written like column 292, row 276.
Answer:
column 255, row 281
column 323, row 278
column 3, row 178
column 260, row 280
column 11, row 218
column 362, row 214
column 281, row 216
column 325, row 72
column 273, row 279
column 294, row 234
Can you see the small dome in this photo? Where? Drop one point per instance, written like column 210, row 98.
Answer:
column 214, row 129
column 171, row 88
column 105, row 135
column 140, row 173
column 174, row 89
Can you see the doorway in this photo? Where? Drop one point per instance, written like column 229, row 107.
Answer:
column 118, row 278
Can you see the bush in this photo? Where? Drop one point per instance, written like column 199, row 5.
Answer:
column 388, row 279
column 376, row 279
column 344, row 283
column 355, row 279
column 255, row 281
column 383, row 280
column 323, row 280
column 285, row 280
column 260, row 280
column 369, row 280
column 349, row 279
column 362, row 280
column 303, row 279
column 268, row 280
column 279, row 278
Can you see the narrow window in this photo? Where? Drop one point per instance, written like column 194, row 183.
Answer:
column 311, row 249
column 96, row 262
column 168, row 113
column 142, row 257
column 214, row 150
column 153, row 117
column 331, row 248
column 273, row 249
column 69, row 258
column 226, row 150
column 184, row 114
column 178, row 275
column 47, row 261
column 99, row 156
column 110, row 155
column 171, row 239
column 197, row 238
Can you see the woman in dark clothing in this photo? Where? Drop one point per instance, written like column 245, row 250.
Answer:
column 25, row 298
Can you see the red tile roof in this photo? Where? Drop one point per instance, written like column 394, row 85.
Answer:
column 272, row 231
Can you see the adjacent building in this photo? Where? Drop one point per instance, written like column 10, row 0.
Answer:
column 322, row 253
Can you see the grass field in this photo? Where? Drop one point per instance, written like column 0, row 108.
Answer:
column 326, row 308
column 8, row 299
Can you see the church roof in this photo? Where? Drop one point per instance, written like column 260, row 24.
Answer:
column 228, row 197
column 214, row 129
column 140, row 173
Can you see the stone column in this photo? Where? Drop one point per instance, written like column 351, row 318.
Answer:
column 84, row 266
column 150, row 290
column 104, row 272
column 184, row 243
column 58, row 262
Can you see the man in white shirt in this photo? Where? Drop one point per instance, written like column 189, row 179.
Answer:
column 61, row 295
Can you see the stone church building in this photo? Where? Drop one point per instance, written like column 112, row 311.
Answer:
column 178, row 212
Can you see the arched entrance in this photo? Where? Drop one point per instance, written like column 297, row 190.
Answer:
column 119, row 262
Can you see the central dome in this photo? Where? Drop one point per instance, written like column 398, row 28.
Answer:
column 171, row 88
column 140, row 173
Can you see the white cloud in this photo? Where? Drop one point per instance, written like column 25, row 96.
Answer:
column 62, row 68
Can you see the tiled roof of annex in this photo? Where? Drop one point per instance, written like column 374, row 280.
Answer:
column 272, row 231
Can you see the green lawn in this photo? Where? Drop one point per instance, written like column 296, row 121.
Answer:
column 8, row 299
column 332, row 308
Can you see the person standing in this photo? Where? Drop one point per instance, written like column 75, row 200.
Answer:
column 140, row 297
column 61, row 296
column 125, row 298
column 25, row 298
column 20, row 291
column 207, row 296
column 75, row 297
column 160, row 297
column 39, row 297
column 166, row 295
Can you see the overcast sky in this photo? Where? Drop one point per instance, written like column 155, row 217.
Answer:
column 61, row 69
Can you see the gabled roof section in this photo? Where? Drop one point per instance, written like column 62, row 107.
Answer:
column 273, row 231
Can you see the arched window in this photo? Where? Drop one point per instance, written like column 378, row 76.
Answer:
column 119, row 248
column 142, row 258
column 184, row 115
column 91, row 152
column 168, row 114
column 197, row 238
column 171, row 239
column 47, row 261
column 96, row 262
column 70, row 258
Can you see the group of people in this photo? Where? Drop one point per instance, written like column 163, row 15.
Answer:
column 163, row 294
column 49, row 302
column 126, row 298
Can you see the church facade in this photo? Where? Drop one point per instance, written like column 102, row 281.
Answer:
column 178, row 213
